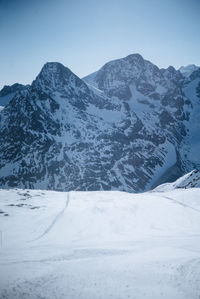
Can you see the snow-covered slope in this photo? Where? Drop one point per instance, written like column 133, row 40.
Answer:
column 189, row 180
column 99, row 244
column 123, row 127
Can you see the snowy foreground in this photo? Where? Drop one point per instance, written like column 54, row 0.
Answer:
column 92, row 245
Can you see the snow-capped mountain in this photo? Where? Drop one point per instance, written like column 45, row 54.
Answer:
column 186, row 71
column 7, row 93
column 125, row 127
column 162, row 99
column 189, row 180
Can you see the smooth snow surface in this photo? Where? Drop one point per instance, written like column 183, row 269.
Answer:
column 91, row 245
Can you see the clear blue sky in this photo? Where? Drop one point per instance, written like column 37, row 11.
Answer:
column 85, row 34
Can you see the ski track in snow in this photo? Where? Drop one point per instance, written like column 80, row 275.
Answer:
column 114, row 257
column 57, row 217
column 77, row 254
column 178, row 202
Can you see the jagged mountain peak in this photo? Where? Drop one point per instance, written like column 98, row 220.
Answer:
column 134, row 58
column 189, row 180
column 64, row 134
column 137, row 60
column 8, row 92
column 186, row 71
column 115, row 76
column 7, row 89
column 55, row 68
column 171, row 69
column 172, row 74
column 54, row 76
column 128, row 62
column 118, row 77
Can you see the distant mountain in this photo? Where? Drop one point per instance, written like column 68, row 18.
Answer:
column 186, row 71
column 129, row 126
column 189, row 180
column 8, row 92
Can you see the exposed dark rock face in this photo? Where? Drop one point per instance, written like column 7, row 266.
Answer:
column 8, row 92
column 119, row 128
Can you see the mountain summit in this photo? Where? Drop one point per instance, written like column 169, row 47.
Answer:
column 129, row 126
column 186, row 71
column 55, row 77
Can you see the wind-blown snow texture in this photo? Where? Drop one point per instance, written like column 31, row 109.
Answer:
column 94, row 245
column 129, row 126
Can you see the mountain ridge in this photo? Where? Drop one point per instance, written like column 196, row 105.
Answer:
column 121, row 129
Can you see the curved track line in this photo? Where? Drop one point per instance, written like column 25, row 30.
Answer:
column 178, row 202
column 57, row 217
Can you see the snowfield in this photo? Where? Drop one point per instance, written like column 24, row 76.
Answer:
column 91, row 245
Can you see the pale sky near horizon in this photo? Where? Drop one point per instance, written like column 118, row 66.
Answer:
column 85, row 34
